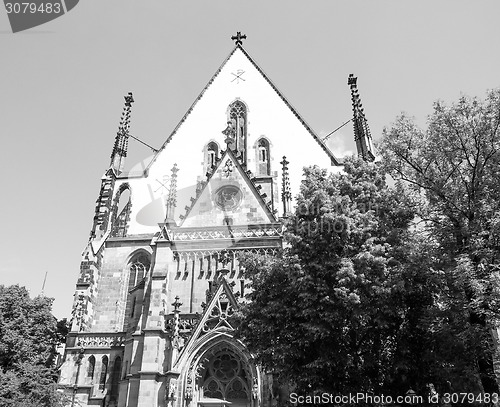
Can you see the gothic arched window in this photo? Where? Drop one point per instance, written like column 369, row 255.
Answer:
column 238, row 117
column 91, row 368
column 104, row 372
column 139, row 266
column 121, row 212
column 263, row 158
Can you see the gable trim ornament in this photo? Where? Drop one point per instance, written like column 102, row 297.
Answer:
column 229, row 156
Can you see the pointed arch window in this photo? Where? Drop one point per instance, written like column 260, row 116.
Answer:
column 263, row 157
column 238, row 117
column 139, row 267
column 104, row 372
column 121, row 214
column 90, row 368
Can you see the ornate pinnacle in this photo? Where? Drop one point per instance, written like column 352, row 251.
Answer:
column 362, row 134
column 286, row 194
column 172, row 193
column 121, row 140
column 176, row 340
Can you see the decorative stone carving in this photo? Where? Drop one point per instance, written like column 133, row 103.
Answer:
column 100, row 341
column 224, row 233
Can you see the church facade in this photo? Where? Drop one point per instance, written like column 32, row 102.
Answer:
column 160, row 279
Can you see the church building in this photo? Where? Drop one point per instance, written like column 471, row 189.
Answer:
column 159, row 279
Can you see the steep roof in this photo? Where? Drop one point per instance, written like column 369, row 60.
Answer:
column 334, row 160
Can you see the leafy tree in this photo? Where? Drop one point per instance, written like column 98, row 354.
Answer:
column 29, row 335
column 453, row 166
column 363, row 299
column 327, row 314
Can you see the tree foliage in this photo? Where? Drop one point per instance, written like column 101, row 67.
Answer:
column 327, row 314
column 453, row 166
column 384, row 288
column 29, row 335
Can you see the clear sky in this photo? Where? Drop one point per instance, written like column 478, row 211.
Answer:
column 62, row 87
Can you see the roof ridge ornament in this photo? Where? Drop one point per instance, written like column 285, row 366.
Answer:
column 238, row 38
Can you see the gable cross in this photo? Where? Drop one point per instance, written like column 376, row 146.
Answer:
column 238, row 38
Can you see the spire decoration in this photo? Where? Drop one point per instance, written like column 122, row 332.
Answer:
column 172, row 194
column 362, row 134
column 121, row 141
column 286, row 194
column 238, row 38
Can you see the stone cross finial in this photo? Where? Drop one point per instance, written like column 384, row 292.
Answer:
column 238, row 38
column 177, row 304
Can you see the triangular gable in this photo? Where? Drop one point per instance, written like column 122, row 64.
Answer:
column 334, row 160
column 228, row 193
column 216, row 316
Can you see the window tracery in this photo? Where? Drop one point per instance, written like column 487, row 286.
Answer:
column 220, row 314
column 238, row 118
column 225, row 378
column 139, row 267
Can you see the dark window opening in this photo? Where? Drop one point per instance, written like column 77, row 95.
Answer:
column 104, row 372
column 263, row 159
